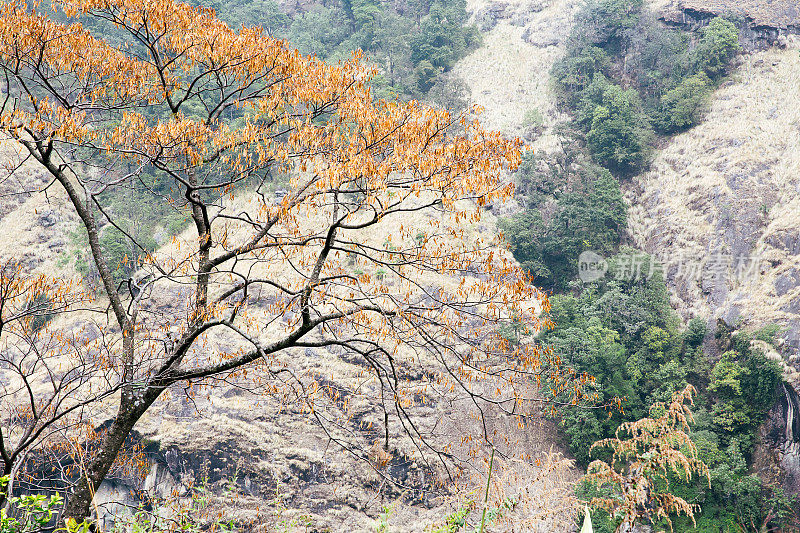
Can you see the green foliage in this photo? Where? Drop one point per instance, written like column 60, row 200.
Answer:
column 33, row 512
column 320, row 31
column 767, row 333
column 657, row 57
column 454, row 522
column 718, row 45
column 396, row 36
column 513, row 330
column 576, row 70
column 533, row 119
column 42, row 308
column 567, row 211
column 122, row 253
column 667, row 78
column 619, row 133
column 624, row 74
column 425, row 75
column 237, row 13
column 383, row 519
column 414, row 43
column 683, row 106
column 695, row 332
column 441, row 39
column 459, row 520
column 622, row 330
column 605, row 22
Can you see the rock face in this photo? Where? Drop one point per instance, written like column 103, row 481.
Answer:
column 720, row 208
column 777, row 456
column 764, row 22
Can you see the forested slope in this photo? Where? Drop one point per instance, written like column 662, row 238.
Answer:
column 676, row 164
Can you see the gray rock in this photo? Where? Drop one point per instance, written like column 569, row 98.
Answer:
column 793, row 306
column 540, row 39
column 488, row 17
column 786, row 282
column 48, row 219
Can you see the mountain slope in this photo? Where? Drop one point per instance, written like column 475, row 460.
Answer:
column 720, row 205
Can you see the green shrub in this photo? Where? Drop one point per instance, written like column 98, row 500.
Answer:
column 605, row 22
column 33, row 513
column 695, row 332
column 42, row 308
column 533, row 119
column 442, row 38
column 718, row 45
column 425, row 75
column 683, row 106
column 238, row 13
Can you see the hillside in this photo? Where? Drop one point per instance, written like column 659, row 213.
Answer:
column 729, row 187
column 718, row 207
column 280, row 463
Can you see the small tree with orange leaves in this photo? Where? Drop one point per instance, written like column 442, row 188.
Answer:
column 641, row 464
column 32, row 409
column 216, row 114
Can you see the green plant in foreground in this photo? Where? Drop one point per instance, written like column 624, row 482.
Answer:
column 35, row 512
column 383, row 518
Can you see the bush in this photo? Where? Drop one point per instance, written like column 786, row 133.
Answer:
column 668, row 85
column 683, row 106
column 42, row 308
column 425, row 75
column 31, row 512
column 719, row 44
column 237, row 13
column 695, row 332
column 442, row 39
column 533, row 119
column 657, row 57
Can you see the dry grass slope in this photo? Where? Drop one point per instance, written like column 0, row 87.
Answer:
column 730, row 189
column 510, row 74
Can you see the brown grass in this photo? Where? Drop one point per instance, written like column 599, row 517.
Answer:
column 735, row 177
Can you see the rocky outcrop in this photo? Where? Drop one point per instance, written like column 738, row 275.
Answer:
column 777, row 453
column 762, row 23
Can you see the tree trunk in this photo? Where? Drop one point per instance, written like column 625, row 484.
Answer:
column 78, row 504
